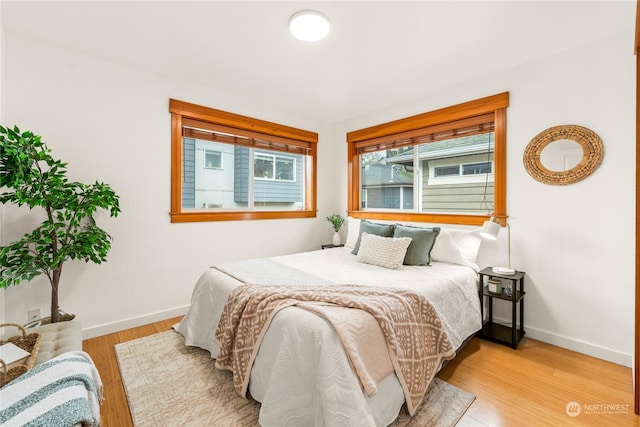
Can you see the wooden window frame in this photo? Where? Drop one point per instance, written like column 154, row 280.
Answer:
column 495, row 104
column 636, row 352
column 183, row 111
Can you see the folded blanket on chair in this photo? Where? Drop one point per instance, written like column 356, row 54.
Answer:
column 65, row 391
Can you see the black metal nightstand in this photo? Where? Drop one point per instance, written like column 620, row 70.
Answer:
column 330, row 245
column 493, row 331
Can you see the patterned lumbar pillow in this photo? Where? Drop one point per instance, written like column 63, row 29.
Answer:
column 387, row 252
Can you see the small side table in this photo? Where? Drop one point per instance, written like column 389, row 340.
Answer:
column 330, row 245
column 493, row 331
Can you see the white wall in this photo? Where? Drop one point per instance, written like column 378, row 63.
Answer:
column 575, row 242
column 112, row 123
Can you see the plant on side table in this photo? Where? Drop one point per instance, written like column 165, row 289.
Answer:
column 336, row 223
column 35, row 179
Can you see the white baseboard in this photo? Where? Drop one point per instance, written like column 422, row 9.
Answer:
column 583, row 347
column 121, row 325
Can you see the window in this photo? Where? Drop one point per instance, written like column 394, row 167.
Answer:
column 274, row 167
column 444, row 166
column 212, row 159
column 231, row 167
column 466, row 170
column 439, row 171
column 460, row 169
column 476, row 168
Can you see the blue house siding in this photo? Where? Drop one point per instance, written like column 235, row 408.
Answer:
column 266, row 191
column 189, row 171
column 241, row 174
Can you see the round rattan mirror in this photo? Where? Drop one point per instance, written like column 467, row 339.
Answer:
column 592, row 149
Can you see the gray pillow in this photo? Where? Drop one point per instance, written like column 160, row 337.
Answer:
column 422, row 241
column 384, row 230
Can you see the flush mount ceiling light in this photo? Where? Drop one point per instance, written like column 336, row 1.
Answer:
column 309, row 26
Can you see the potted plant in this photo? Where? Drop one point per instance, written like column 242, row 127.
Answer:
column 30, row 176
column 336, row 223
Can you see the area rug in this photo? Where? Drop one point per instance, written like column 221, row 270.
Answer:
column 170, row 384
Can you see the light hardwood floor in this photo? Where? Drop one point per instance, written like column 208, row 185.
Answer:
column 530, row 386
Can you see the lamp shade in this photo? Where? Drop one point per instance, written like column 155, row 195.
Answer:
column 490, row 229
column 309, row 26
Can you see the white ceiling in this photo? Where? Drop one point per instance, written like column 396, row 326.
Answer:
column 378, row 54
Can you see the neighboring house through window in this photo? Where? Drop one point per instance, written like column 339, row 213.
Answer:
column 229, row 167
column 446, row 166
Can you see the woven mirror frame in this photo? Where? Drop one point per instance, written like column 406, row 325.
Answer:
column 592, row 150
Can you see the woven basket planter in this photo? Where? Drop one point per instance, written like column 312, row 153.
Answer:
column 27, row 342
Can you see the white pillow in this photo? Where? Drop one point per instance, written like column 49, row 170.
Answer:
column 469, row 243
column 353, row 232
column 457, row 247
column 446, row 250
column 387, row 252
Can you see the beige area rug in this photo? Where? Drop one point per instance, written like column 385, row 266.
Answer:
column 170, row 384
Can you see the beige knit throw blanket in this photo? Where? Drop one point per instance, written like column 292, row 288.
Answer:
column 416, row 341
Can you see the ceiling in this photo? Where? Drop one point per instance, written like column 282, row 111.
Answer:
column 378, row 54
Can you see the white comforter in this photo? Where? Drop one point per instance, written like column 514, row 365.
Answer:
column 301, row 374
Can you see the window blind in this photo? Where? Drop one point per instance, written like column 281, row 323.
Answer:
column 197, row 129
column 440, row 132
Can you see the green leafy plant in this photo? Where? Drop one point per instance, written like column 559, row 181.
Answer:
column 336, row 221
column 30, row 176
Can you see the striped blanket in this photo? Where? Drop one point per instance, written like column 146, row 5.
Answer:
column 64, row 391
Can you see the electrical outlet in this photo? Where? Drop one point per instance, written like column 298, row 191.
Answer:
column 33, row 314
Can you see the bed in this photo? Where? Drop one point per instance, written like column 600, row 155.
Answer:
column 301, row 373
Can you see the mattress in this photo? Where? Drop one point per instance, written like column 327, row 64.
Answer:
column 301, row 374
